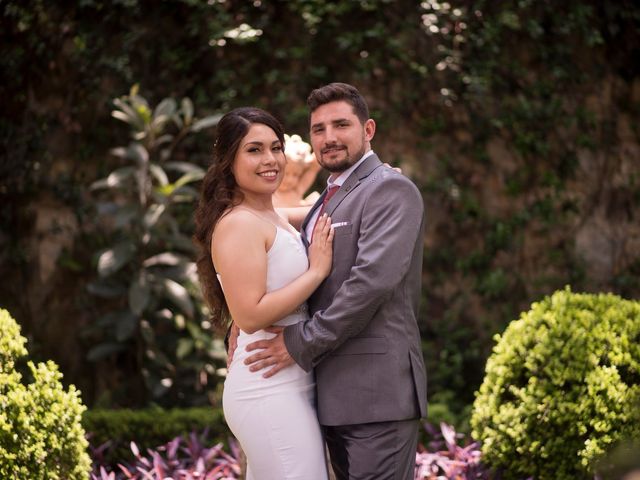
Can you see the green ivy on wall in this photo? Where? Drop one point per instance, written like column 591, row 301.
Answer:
column 485, row 104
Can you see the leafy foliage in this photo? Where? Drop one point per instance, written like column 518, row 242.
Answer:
column 146, row 274
column 444, row 458
column 519, row 77
column 40, row 431
column 148, row 427
column 179, row 459
column 185, row 457
column 562, row 387
column 547, row 86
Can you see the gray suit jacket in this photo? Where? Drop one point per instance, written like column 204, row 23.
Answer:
column 362, row 337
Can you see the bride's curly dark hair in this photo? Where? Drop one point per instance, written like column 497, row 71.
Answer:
column 219, row 193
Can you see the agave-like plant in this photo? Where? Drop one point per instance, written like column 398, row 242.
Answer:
column 153, row 311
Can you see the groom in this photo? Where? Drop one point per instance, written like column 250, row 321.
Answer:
column 362, row 337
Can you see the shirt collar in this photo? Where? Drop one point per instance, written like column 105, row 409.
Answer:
column 344, row 175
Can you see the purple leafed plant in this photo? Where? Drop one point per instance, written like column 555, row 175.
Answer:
column 445, row 459
column 179, row 459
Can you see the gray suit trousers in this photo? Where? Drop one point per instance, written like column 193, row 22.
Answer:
column 373, row 451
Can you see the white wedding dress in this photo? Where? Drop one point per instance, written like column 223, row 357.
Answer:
column 274, row 419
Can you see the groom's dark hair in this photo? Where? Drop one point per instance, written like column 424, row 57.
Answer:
column 335, row 92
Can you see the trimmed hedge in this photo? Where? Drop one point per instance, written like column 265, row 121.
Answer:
column 149, row 428
column 562, row 387
column 41, row 436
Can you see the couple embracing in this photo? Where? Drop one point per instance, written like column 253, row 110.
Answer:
column 325, row 299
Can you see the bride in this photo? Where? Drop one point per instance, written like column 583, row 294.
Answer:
column 256, row 257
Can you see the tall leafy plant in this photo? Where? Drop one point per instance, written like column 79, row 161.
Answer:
column 154, row 321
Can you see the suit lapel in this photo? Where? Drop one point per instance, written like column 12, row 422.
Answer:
column 364, row 170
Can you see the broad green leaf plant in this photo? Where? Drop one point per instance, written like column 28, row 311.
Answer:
column 153, row 311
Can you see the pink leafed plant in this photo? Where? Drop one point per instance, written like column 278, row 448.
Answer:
column 179, row 459
column 446, row 460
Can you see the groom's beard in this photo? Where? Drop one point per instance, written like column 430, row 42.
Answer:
column 340, row 165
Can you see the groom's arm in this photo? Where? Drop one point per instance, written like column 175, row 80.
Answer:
column 390, row 227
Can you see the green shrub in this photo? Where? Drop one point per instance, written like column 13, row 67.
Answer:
column 149, row 428
column 41, row 436
column 561, row 388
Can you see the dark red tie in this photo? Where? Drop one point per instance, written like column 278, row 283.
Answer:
column 331, row 191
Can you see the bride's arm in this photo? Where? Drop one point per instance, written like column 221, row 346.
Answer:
column 294, row 215
column 239, row 254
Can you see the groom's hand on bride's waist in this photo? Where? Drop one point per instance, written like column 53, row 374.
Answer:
column 271, row 353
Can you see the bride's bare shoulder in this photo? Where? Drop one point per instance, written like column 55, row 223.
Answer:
column 237, row 221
